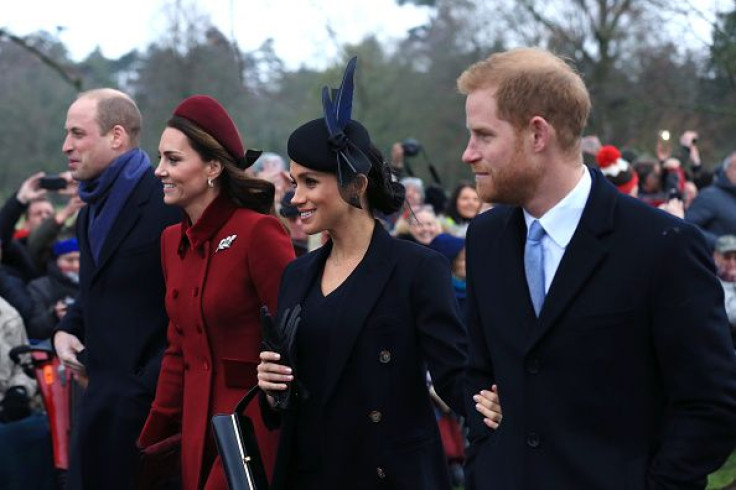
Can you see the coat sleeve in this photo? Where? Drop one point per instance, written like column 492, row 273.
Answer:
column 442, row 335
column 164, row 419
column 697, row 361
column 269, row 252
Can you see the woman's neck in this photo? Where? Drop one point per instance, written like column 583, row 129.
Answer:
column 195, row 209
column 352, row 238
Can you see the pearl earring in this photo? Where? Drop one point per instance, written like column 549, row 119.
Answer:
column 210, row 182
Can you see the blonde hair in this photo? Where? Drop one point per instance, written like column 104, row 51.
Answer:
column 532, row 82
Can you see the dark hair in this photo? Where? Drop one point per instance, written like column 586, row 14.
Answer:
column 244, row 191
column 384, row 194
column 451, row 210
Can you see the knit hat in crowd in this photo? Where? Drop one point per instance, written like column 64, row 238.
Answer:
column 617, row 170
column 209, row 115
column 448, row 245
column 63, row 247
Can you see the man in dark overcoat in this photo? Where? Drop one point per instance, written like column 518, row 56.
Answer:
column 115, row 333
column 599, row 319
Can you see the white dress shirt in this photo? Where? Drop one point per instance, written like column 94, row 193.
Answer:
column 560, row 223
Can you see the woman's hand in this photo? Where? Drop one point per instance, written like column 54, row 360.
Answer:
column 488, row 404
column 273, row 376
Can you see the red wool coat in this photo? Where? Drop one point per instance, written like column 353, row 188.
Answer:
column 218, row 274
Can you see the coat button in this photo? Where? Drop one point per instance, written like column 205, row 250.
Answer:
column 381, row 474
column 206, row 366
column 199, row 328
column 195, row 292
column 532, row 367
column 384, row 357
column 533, row 440
column 186, row 366
column 175, row 293
column 375, row 416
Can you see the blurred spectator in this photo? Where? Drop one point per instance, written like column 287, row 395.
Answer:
column 41, row 241
column 650, row 182
column 463, row 206
column 617, row 170
column 27, row 250
column 271, row 167
column 31, row 200
column 422, row 227
column 12, row 334
column 299, row 239
column 714, row 210
column 691, row 161
column 53, row 293
column 590, row 146
column 434, row 195
column 414, row 191
column 725, row 259
column 13, row 290
column 453, row 248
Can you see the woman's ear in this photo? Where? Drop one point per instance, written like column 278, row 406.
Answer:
column 214, row 169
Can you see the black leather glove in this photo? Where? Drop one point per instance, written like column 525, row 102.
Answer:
column 281, row 340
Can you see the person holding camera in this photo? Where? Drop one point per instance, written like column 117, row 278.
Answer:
column 31, row 202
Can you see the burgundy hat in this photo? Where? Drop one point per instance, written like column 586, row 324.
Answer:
column 210, row 116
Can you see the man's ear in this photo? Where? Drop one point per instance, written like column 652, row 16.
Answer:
column 120, row 137
column 541, row 133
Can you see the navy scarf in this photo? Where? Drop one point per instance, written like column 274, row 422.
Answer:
column 106, row 194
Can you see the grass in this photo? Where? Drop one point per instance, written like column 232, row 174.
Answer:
column 725, row 477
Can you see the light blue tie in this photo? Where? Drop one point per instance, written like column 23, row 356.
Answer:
column 534, row 265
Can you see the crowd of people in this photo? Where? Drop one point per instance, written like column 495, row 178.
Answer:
column 570, row 308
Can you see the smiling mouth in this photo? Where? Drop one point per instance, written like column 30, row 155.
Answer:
column 306, row 214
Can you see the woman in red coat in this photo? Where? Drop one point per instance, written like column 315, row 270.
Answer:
column 221, row 264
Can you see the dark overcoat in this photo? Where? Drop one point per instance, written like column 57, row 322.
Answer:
column 628, row 378
column 119, row 315
column 399, row 317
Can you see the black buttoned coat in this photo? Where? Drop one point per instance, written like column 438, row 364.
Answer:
column 119, row 315
column 628, row 378
column 399, row 317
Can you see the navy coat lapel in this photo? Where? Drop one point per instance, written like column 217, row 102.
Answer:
column 126, row 220
column 584, row 252
column 366, row 285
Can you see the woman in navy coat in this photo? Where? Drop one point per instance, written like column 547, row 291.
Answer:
column 375, row 313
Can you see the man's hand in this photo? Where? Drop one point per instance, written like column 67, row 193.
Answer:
column 30, row 190
column 488, row 404
column 67, row 347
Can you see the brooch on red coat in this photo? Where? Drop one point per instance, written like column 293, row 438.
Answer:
column 226, row 242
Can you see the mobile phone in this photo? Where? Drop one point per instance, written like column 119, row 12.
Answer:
column 52, row 183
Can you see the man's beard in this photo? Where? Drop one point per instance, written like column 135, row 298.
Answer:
column 515, row 183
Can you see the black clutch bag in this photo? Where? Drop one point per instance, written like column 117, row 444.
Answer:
column 238, row 448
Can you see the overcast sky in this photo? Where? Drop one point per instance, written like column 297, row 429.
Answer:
column 299, row 27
